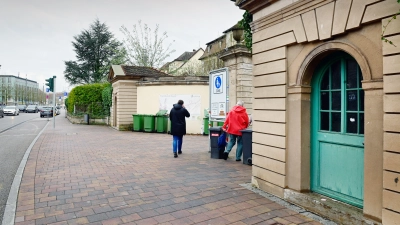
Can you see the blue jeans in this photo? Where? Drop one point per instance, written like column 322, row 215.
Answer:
column 232, row 142
column 177, row 143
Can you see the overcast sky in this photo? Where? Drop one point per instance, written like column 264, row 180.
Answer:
column 36, row 35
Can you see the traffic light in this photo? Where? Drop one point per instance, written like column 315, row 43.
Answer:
column 50, row 84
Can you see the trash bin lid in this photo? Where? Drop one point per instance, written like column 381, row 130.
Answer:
column 162, row 112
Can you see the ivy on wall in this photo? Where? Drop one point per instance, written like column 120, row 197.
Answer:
column 107, row 98
column 385, row 26
column 245, row 24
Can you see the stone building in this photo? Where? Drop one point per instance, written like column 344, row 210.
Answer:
column 326, row 112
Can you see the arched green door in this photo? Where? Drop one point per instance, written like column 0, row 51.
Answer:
column 337, row 130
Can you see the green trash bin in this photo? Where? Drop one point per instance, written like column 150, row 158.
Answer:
column 220, row 124
column 206, row 131
column 137, row 122
column 148, row 121
column 161, row 121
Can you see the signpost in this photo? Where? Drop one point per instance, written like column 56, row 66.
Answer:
column 219, row 95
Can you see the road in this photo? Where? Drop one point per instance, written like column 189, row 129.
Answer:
column 16, row 134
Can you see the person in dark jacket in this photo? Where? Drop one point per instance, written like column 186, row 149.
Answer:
column 178, row 126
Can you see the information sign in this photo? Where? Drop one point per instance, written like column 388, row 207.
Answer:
column 219, row 96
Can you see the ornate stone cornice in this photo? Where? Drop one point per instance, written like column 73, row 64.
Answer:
column 252, row 6
column 233, row 52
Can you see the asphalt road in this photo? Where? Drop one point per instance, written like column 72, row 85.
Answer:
column 13, row 144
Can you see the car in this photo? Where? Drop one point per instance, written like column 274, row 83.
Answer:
column 1, row 111
column 32, row 109
column 57, row 111
column 11, row 110
column 46, row 111
column 22, row 108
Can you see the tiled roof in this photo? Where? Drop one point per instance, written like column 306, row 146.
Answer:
column 165, row 66
column 185, row 56
column 142, row 71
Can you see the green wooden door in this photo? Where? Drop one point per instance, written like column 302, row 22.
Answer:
column 337, row 131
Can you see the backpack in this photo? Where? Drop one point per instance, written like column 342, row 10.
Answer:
column 222, row 140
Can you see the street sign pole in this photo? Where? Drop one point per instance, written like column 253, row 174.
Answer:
column 54, row 101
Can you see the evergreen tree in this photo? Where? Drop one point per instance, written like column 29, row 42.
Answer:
column 95, row 48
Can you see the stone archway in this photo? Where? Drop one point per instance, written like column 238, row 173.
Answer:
column 313, row 59
column 299, row 98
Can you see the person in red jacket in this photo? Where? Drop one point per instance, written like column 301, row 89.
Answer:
column 236, row 120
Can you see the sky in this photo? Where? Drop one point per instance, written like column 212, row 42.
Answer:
column 36, row 35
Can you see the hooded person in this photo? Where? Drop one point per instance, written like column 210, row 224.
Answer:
column 236, row 120
column 178, row 126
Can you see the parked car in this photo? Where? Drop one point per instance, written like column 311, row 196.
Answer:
column 46, row 111
column 32, row 109
column 11, row 110
column 57, row 111
column 1, row 111
column 22, row 108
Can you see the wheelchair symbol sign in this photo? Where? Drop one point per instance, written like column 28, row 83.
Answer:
column 218, row 84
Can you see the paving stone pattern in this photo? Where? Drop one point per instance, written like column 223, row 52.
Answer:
column 80, row 174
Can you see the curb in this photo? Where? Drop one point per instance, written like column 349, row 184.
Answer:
column 11, row 205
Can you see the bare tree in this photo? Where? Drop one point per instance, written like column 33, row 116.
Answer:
column 145, row 47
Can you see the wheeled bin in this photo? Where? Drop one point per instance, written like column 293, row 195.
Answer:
column 149, row 121
column 247, row 139
column 161, row 121
column 216, row 152
column 137, row 122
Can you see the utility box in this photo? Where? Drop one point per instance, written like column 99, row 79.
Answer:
column 86, row 119
column 216, row 152
column 247, row 139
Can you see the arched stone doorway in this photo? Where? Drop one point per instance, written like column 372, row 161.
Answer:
column 300, row 123
column 337, row 129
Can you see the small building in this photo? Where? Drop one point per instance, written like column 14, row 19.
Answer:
column 144, row 90
column 326, row 115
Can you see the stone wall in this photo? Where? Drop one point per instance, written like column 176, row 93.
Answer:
column 286, row 46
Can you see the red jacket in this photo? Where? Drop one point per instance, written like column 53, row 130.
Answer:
column 236, row 120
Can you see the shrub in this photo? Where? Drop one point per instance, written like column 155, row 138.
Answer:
column 87, row 99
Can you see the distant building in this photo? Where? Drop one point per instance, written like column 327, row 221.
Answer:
column 17, row 90
column 216, row 47
column 187, row 63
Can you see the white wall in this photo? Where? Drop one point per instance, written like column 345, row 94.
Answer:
column 149, row 96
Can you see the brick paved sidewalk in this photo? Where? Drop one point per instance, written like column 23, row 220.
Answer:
column 79, row 174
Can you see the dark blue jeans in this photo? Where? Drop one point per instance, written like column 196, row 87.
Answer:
column 177, row 143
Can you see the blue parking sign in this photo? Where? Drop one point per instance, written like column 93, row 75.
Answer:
column 47, row 90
